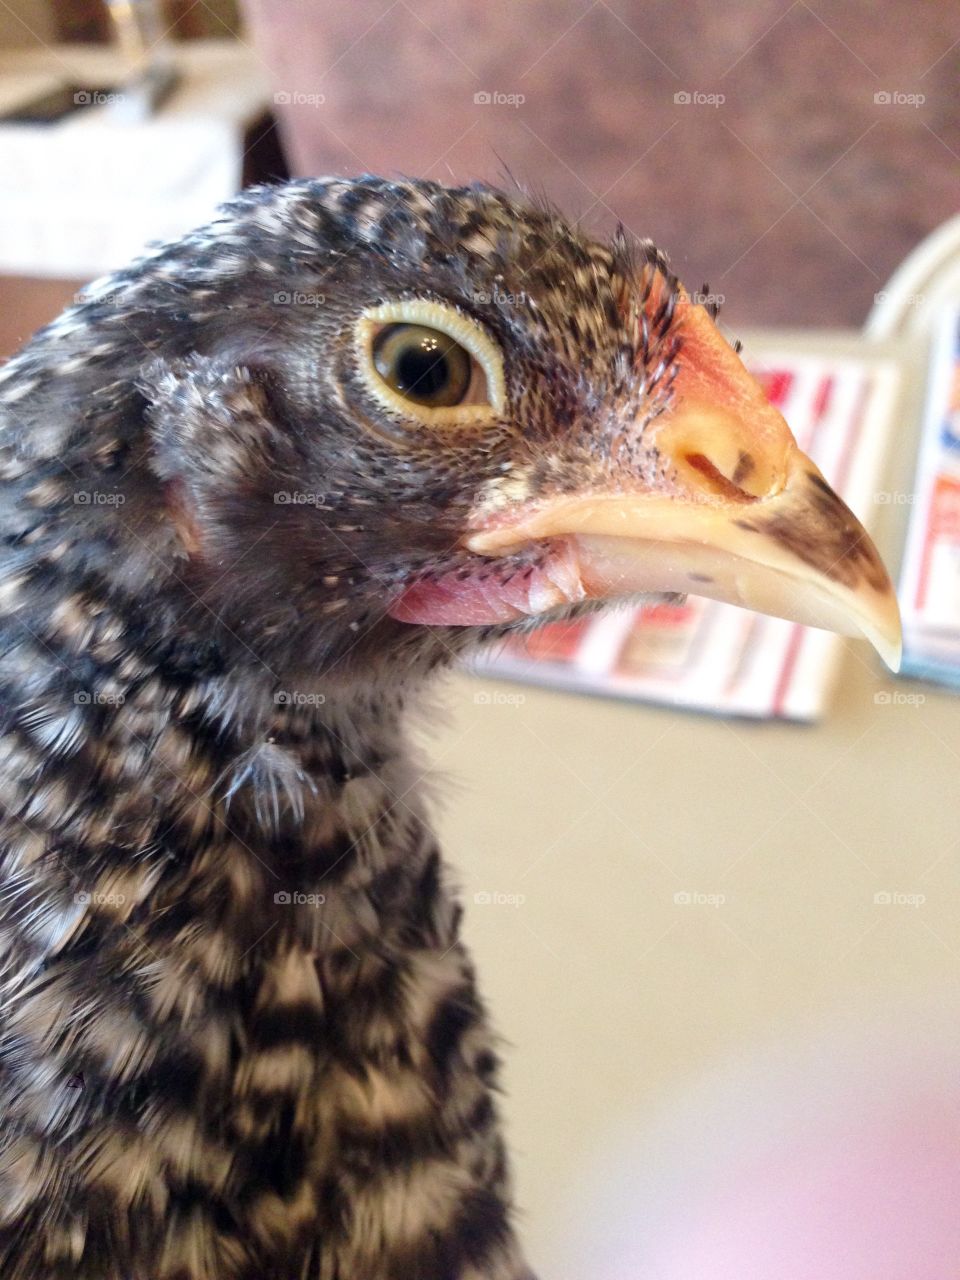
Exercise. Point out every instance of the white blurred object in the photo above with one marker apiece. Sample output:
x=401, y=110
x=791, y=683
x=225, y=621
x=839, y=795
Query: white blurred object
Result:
x=921, y=305
x=139, y=29
x=925, y=283
x=85, y=195
x=142, y=40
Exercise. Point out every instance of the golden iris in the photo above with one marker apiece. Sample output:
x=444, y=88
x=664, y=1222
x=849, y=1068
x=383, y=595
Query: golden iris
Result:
x=422, y=364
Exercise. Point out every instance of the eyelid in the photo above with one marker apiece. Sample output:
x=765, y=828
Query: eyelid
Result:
x=458, y=326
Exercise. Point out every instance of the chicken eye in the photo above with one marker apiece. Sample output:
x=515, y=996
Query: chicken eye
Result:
x=428, y=364
x=423, y=365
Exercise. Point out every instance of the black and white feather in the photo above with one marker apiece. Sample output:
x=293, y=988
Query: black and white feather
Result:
x=239, y=1037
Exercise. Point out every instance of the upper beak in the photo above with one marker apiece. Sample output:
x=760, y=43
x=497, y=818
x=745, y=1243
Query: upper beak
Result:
x=741, y=514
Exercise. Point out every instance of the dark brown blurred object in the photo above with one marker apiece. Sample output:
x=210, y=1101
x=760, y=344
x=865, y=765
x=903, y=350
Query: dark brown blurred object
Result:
x=264, y=159
x=795, y=197
x=211, y=18
x=81, y=21
x=87, y=21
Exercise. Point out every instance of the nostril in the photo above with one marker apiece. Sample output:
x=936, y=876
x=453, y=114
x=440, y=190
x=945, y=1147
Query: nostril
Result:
x=724, y=486
x=745, y=467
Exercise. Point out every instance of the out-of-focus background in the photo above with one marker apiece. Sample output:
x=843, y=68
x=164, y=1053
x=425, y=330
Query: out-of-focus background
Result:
x=723, y=950
x=750, y=139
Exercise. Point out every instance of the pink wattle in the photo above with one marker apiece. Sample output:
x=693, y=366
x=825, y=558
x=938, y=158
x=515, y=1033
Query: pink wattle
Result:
x=482, y=598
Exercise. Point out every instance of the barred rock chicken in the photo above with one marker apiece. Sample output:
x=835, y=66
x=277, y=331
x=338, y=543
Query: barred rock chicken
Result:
x=256, y=488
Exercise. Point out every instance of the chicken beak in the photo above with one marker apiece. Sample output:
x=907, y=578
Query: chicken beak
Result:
x=740, y=514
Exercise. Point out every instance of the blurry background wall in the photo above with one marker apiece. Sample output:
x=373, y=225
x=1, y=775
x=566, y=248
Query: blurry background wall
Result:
x=788, y=154
x=24, y=23
x=794, y=197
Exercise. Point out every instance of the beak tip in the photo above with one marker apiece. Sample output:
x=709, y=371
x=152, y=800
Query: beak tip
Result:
x=892, y=654
x=885, y=633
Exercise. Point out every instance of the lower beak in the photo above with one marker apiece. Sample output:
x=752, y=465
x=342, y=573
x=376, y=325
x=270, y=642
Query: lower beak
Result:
x=746, y=518
x=800, y=554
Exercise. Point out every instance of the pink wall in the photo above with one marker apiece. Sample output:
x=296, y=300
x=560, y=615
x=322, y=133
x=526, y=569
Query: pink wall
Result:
x=795, y=198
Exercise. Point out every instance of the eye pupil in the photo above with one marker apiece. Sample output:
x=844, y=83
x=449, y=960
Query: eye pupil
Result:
x=424, y=365
x=422, y=371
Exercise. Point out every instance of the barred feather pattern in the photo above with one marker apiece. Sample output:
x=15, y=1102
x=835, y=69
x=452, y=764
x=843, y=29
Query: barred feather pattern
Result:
x=239, y=1036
